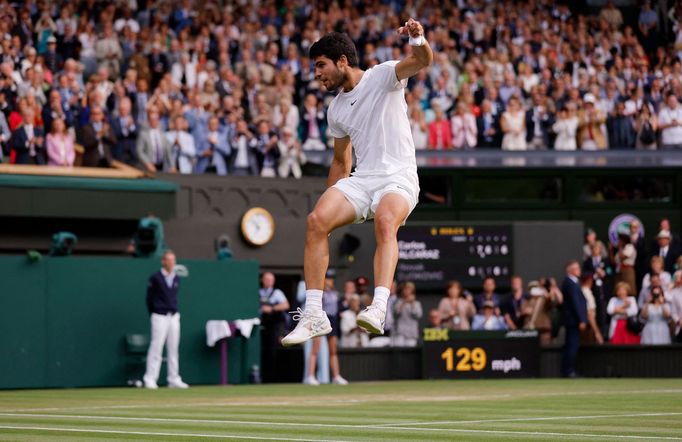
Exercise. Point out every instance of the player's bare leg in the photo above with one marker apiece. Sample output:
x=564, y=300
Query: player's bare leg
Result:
x=331, y=211
x=390, y=214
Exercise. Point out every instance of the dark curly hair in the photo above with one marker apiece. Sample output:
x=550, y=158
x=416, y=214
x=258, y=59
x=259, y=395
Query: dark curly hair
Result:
x=333, y=46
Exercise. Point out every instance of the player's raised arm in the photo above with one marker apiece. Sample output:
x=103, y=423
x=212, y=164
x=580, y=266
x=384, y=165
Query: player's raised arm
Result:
x=342, y=160
x=421, y=56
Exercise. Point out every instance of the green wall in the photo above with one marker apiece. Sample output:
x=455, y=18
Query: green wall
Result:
x=63, y=320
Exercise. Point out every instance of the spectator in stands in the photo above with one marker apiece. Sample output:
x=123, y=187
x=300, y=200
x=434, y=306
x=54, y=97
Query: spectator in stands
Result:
x=670, y=123
x=574, y=315
x=456, y=310
x=513, y=124
x=407, y=312
x=162, y=304
x=153, y=148
x=183, y=149
x=646, y=125
x=245, y=147
x=487, y=319
x=273, y=307
x=266, y=143
x=592, y=333
x=536, y=310
x=464, y=130
x=488, y=127
x=291, y=155
x=27, y=140
x=590, y=134
x=420, y=130
x=665, y=250
x=348, y=290
x=539, y=121
x=213, y=149
x=488, y=294
x=676, y=304
x=664, y=224
x=60, y=145
x=98, y=140
x=657, y=270
x=330, y=305
x=612, y=15
x=434, y=319
x=362, y=287
x=588, y=245
x=621, y=128
x=126, y=132
x=352, y=336
x=656, y=313
x=621, y=307
x=5, y=135
x=511, y=309
x=54, y=109
x=313, y=124
x=625, y=257
x=641, y=260
x=440, y=133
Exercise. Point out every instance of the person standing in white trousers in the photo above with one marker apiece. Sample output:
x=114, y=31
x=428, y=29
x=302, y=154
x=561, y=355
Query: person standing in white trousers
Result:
x=162, y=303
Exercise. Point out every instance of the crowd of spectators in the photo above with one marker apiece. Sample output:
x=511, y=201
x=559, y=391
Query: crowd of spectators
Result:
x=194, y=87
x=632, y=294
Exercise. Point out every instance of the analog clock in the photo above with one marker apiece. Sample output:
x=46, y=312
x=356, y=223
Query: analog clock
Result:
x=258, y=226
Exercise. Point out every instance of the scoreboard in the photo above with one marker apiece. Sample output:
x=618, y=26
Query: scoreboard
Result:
x=431, y=255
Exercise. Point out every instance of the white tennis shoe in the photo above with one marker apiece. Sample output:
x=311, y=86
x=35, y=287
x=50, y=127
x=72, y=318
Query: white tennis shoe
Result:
x=310, y=325
x=372, y=319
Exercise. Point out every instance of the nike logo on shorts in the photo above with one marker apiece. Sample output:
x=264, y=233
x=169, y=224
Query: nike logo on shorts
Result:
x=353, y=102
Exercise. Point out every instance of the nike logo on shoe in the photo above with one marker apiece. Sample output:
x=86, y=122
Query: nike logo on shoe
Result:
x=353, y=102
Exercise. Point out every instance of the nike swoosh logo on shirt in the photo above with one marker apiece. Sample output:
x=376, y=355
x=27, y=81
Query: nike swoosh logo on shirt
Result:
x=353, y=102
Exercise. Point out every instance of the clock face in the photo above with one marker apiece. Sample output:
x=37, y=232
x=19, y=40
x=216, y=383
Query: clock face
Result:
x=258, y=226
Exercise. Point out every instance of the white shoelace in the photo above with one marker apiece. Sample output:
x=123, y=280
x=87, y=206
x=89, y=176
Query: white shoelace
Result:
x=313, y=318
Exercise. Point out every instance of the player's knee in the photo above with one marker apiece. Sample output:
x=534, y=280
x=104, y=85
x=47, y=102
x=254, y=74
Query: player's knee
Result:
x=315, y=223
x=385, y=227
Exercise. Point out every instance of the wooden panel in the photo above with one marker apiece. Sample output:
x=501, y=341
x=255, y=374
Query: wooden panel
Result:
x=120, y=171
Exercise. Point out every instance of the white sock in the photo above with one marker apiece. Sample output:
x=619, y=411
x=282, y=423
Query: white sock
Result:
x=381, y=295
x=313, y=300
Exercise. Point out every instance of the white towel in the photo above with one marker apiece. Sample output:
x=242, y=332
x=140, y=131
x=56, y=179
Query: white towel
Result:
x=215, y=331
x=245, y=326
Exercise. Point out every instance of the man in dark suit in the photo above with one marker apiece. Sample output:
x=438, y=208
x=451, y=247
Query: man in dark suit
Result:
x=488, y=124
x=98, y=140
x=125, y=130
x=574, y=312
x=666, y=250
x=601, y=270
x=538, y=123
x=28, y=141
x=162, y=304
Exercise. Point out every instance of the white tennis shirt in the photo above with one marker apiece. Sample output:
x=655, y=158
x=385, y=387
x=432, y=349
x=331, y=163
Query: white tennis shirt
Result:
x=374, y=115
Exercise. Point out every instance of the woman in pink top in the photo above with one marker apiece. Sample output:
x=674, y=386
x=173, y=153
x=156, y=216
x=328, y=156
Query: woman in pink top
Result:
x=60, y=151
x=464, y=130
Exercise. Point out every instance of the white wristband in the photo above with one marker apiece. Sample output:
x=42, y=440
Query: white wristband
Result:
x=417, y=41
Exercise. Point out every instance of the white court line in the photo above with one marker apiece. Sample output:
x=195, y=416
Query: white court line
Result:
x=535, y=433
x=350, y=401
x=529, y=419
x=217, y=436
x=348, y=426
x=150, y=433
x=170, y=419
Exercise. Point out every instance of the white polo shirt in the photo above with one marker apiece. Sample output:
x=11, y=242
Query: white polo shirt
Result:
x=374, y=115
x=671, y=135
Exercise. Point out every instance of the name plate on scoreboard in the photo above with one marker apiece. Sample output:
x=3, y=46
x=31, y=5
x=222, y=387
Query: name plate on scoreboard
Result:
x=432, y=255
x=452, y=354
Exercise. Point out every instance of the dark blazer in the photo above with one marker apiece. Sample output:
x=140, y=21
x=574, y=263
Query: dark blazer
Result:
x=490, y=141
x=162, y=299
x=92, y=157
x=574, y=308
x=546, y=123
x=19, y=143
x=126, y=142
x=671, y=258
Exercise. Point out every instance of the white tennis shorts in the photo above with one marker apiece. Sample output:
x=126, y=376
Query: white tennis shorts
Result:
x=365, y=192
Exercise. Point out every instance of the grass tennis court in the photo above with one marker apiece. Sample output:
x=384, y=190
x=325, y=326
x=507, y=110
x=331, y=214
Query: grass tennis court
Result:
x=537, y=409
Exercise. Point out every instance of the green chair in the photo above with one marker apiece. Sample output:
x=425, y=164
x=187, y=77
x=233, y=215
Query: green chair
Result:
x=136, y=346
